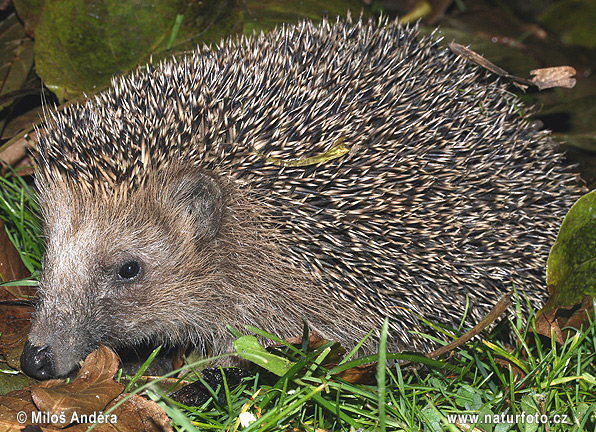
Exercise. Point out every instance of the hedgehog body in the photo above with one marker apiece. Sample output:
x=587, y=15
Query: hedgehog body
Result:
x=167, y=217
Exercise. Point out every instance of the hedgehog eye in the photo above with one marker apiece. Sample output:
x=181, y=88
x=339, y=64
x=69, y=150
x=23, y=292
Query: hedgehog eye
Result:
x=129, y=270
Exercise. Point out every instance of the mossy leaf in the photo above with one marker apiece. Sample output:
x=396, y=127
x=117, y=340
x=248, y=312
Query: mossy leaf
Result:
x=80, y=45
x=571, y=266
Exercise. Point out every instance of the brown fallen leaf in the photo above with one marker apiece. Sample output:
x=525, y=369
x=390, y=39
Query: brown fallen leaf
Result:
x=517, y=373
x=14, y=403
x=89, y=392
x=477, y=59
x=15, y=309
x=560, y=76
x=134, y=414
x=11, y=266
x=16, y=154
x=498, y=310
x=364, y=374
x=164, y=385
x=565, y=319
x=554, y=77
x=10, y=427
x=12, y=343
x=138, y=413
x=90, y=398
x=196, y=393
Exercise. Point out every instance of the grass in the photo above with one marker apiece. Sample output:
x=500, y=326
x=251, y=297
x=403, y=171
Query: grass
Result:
x=483, y=386
x=537, y=386
x=20, y=213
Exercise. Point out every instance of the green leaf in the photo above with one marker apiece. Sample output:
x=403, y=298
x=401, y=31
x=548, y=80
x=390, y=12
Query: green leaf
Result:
x=469, y=398
x=486, y=414
x=583, y=413
x=531, y=415
x=432, y=418
x=571, y=265
x=80, y=44
x=502, y=427
x=249, y=348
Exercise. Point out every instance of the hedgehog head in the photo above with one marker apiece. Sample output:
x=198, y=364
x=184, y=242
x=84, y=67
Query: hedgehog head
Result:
x=112, y=256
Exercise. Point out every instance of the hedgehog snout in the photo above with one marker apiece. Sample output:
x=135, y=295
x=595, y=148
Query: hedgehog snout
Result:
x=38, y=362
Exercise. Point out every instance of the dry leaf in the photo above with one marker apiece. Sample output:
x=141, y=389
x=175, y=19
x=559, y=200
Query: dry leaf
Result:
x=88, y=393
x=517, y=373
x=196, y=393
x=138, y=414
x=17, y=154
x=135, y=414
x=364, y=374
x=498, y=310
x=11, y=344
x=14, y=325
x=11, y=427
x=314, y=342
x=53, y=405
x=564, y=319
x=14, y=403
x=358, y=374
x=560, y=76
x=11, y=266
x=477, y=59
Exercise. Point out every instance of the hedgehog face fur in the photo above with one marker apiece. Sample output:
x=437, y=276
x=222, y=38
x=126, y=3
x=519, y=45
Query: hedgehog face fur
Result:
x=164, y=222
x=164, y=263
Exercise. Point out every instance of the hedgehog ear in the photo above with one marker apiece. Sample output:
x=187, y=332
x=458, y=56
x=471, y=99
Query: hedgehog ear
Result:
x=200, y=195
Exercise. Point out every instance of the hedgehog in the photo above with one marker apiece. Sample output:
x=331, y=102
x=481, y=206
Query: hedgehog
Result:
x=339, y=173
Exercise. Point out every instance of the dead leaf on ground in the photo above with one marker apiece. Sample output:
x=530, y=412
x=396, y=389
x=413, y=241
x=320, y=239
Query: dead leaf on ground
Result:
x=11, y=345
x=89, y=392
x=138, y=413
x=364, y=374
x=88, y=396
x=165, y=385
x=196, y=393
x=355, y=375
x=15, y=402
x=565, y=319
x=15, y=313
x=135, y=414
x=11, y=266
x=17, y=151
x=516, y=371
x=10, y=427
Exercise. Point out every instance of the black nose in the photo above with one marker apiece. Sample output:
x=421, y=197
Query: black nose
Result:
x=38, y=362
